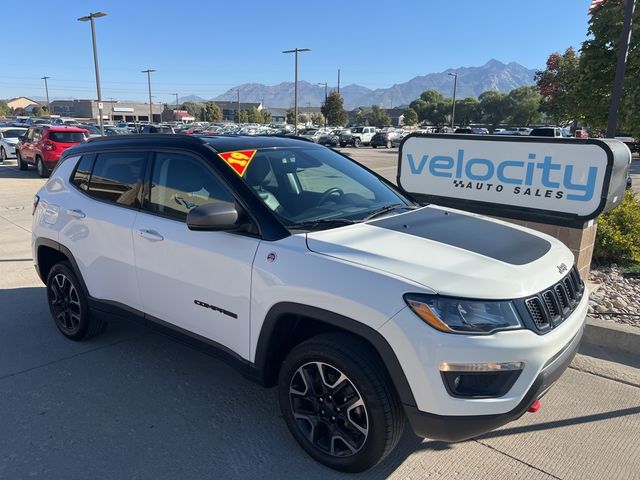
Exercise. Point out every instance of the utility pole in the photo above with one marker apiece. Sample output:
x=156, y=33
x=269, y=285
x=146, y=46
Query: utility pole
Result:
x=455, y=84
x=325, y=102
x=89, y=18
x=46, y=89
x=238, y=107
x=149, y=71
x=295, y=86
x=623, y=51
x=338, y=81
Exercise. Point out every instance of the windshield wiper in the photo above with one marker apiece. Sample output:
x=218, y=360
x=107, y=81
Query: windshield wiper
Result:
x=386, y=209
x=324, y=222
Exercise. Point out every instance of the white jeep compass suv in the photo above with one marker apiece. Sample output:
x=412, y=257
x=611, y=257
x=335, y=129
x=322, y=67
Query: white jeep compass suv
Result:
x=310, y=272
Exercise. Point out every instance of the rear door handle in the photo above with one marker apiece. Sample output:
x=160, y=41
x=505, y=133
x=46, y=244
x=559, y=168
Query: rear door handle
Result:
x=75, y=213
x=150, y=235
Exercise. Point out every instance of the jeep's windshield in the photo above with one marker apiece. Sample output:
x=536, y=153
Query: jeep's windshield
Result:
x=314, y=187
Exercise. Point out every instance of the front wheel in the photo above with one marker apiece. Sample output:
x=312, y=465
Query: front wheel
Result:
x=68, y=304
x=22, y=165
x=356, y=142
x=3, y=155
x=339, y=403
x=40, y=167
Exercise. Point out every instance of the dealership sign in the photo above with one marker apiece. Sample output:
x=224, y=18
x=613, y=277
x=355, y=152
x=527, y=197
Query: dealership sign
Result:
x=559, y=181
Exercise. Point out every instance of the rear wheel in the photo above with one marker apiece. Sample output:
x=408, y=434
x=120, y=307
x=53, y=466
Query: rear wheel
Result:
x=68, y=304
x=388, y=143
x=22, y=165
x=338, y=402
x=374, y=146
x=356, y=142
x=43, y=171
x=3, y=155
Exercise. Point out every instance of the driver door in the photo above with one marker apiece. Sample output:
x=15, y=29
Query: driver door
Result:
x=197, y=281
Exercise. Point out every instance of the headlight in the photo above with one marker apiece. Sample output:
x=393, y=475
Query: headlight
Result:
x=458, y=315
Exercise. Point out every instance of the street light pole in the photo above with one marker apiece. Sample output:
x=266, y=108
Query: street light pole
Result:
x=325, y=102
x=149, y=71
x=176, y=100
x=46, y=89
x=453, y=110
x=623, y=51
x=238, y=107
x=295, y=86
x=89, y=18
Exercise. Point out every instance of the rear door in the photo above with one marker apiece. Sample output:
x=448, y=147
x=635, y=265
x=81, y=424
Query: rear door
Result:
x=97, y=218
x=195, y=280
x=26, y=150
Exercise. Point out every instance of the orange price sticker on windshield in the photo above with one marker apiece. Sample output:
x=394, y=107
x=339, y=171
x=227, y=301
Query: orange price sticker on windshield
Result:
x=238, y=160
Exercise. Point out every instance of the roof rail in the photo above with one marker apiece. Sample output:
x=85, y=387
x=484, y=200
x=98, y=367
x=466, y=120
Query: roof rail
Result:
x=147, y=136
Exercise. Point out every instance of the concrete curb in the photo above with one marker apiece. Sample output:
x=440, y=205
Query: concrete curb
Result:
x=613, y=336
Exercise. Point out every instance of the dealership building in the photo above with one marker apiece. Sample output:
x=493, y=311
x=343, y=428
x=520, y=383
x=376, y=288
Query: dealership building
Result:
x=111, y=110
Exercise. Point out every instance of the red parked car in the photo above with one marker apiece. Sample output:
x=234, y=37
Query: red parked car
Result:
x=42, y=146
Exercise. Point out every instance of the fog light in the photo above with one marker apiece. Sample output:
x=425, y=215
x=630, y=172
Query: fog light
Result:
x=479, y=380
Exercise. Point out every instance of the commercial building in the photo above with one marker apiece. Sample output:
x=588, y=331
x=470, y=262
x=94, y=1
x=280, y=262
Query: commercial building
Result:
x=111, y=110
x=22, y=104
x=182, y=116
x=229, y=108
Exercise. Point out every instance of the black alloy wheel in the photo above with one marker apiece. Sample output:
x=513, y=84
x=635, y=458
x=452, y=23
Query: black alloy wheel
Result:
x=328, y=409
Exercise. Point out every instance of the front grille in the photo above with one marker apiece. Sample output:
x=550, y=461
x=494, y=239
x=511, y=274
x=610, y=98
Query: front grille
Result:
x=552, y=306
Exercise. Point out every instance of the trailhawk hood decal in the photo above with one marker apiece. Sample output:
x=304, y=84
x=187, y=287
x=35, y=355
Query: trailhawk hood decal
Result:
x=450, y=252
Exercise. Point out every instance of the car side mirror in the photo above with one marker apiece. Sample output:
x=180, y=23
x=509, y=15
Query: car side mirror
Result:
x=218, y=216
x=22, y=138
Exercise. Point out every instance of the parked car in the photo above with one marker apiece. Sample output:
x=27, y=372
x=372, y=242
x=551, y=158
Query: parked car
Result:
x=331, y=138
x=555, y=132
x=387, y=138
x=312, y=134
x=357, y=136
x=42, y=146
x=467, y=130
x=629, y=141
x=9, y=137
x=389, y=328
x=149, y=128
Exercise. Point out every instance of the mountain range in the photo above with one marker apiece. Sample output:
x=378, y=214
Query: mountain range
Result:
x=472, y=81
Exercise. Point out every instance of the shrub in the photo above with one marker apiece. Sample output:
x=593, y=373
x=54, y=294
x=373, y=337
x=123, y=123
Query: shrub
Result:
x=618, y=237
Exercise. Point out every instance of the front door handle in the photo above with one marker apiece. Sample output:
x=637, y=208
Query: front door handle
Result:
x=72, y=212
x=150, y=235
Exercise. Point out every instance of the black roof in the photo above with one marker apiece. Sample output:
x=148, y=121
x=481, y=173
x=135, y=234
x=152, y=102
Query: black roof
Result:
x=220, y=143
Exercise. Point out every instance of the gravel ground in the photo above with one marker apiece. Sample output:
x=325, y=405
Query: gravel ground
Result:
x=617, y=298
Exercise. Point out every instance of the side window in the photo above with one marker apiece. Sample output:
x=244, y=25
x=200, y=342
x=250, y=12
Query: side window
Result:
x=83, y=172
x=37, y=135
x=180, y=182
x=29, y=135
x=117, y=177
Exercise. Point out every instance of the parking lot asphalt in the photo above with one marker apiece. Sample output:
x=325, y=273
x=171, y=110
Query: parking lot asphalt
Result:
x=134, y=404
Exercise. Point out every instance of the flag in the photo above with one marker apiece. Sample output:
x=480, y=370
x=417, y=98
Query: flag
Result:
x=594, y=4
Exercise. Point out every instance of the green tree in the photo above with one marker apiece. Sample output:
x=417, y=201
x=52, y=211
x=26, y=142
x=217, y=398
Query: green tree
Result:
x=255, y=116
x=334, y=110
x=242, y=116
x=467, y=111
x=266, y=117
x=494, y=107
x=598, y=58
x=362, y=117
x=302, y=118
x=194, y=109
x=4, y=109
x=410, y=117
x=38, y=112
x=523, y=105
x=212, y=112
x=378, y=117
x=291, y=116
x=432, y=107
x=558, y=87
x=317, y=118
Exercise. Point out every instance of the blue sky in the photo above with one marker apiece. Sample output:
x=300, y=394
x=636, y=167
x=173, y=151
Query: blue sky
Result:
x=206, y=47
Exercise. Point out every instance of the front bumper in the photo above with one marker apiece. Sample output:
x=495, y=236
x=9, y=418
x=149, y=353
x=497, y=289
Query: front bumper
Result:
x=454, y=428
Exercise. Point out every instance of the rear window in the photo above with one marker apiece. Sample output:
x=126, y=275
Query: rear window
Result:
x=542, y=132
x=13, y=133
x=67, y=137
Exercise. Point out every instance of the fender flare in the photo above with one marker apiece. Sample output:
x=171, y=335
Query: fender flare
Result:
x=47, y=242
x=264, y=354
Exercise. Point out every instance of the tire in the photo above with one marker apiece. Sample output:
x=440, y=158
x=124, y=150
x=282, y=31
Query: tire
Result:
x=374, y=146
x=22, y=165
x=3, y=155
x=321, y=425
x=356, y=142
x=389, y=144
x=343, y=145
x=43, y=171
x=68, y=304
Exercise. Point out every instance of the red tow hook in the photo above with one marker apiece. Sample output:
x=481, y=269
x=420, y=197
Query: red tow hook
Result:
x=534, y=407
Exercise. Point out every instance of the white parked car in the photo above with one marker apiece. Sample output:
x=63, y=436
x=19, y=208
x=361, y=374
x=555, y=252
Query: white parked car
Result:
x=9, y=137
x=310, y=272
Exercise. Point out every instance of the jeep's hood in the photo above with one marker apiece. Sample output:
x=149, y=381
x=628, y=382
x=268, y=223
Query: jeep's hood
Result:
x=451, y=253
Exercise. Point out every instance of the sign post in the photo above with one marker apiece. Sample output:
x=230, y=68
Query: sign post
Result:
x=556, y=186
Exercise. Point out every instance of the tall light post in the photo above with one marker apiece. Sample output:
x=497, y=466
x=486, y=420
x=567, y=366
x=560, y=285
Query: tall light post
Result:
x=89, y=18
x=176, y=100
x=149, y=71
x=325, y=102
x=46, y=89
x=238, y=106
x=295, y=86
x=455, y=85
